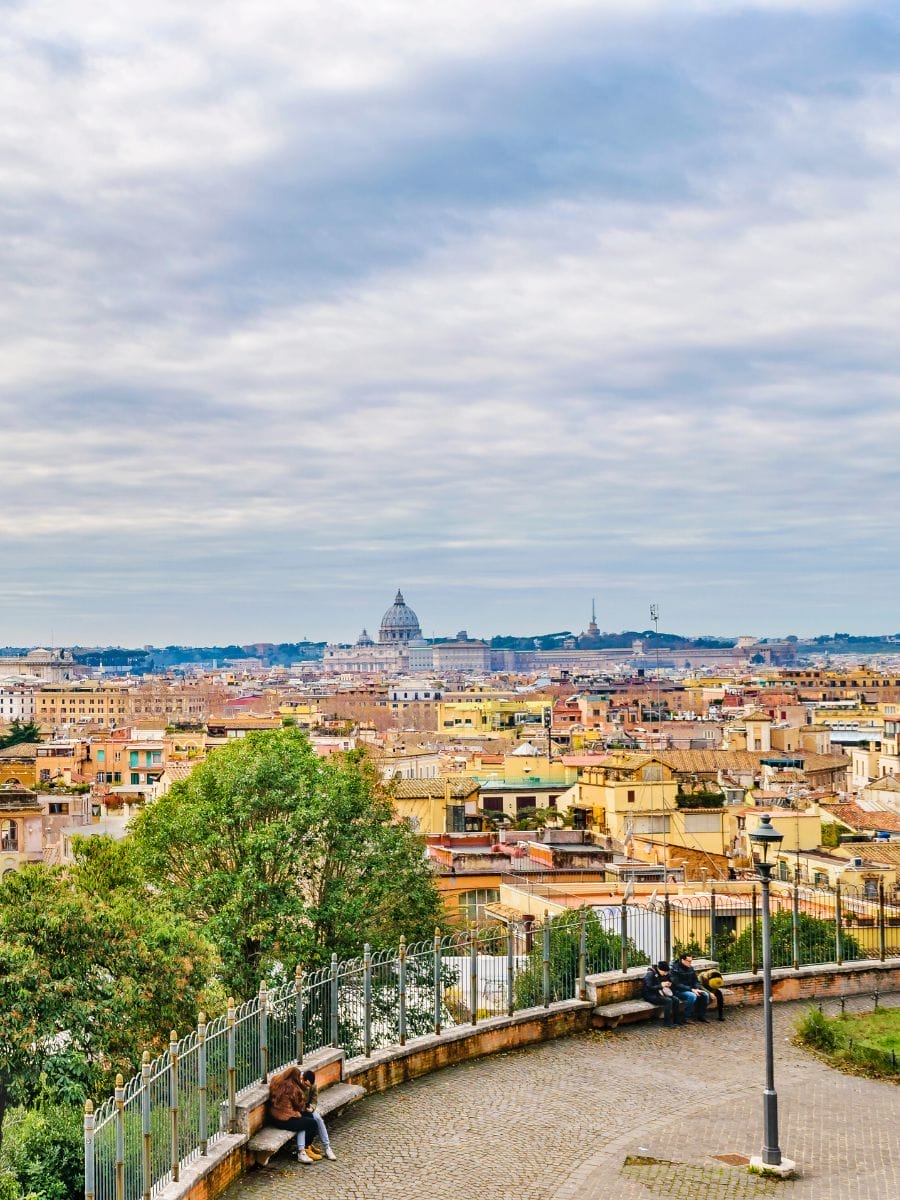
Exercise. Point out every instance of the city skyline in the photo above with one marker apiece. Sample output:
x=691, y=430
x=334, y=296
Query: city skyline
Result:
x=510, y=308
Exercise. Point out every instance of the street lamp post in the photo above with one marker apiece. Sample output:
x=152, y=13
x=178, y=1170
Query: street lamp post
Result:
x=767, y=838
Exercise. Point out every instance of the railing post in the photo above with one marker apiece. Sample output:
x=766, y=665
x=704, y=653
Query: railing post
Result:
x=173, y=1100
x=264, y=1031
x=667, y=928
x=120, y=1137
x=510, y=971
x=334, y=999
x=582, y=956
x=838, y=926
x=712, y=921
x=88, y=1150
x=438, y=988
x=401, y=968
x=201, y=1081
x=232, y=1069
x=146, y=1161
x=882, y=933
x=795, y=925
x=623, y=937
x=754, y=948
x=473, y=976
x=367, y=1000
x=298, y=1011
x=546, y=960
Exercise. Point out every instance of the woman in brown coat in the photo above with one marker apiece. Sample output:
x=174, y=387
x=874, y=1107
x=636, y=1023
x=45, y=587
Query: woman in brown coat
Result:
x=287, y=1109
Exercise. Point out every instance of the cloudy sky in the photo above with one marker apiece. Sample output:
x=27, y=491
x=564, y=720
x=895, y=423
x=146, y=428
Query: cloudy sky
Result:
x=510, y=304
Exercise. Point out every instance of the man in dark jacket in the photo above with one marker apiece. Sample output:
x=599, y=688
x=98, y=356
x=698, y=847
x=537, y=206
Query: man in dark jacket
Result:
x=656, y=988
x=686, y=987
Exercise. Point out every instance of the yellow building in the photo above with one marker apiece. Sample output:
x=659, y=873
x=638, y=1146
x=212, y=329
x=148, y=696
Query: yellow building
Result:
x=628, y=794
x=17, y=765
x=21, y=829
x=86, y=703
x=436, y=806
x=304, y=713
x=480, y=714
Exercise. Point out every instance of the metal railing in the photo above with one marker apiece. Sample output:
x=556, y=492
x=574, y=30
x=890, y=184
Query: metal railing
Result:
x=185, y=1100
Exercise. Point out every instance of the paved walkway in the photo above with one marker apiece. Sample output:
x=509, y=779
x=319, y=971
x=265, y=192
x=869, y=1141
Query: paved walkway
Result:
x=558, y=1122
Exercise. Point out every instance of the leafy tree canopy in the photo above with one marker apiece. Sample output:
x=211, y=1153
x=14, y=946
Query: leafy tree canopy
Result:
x=20, y=732
x=283, y=857
x=817, y=943
x=88, y=979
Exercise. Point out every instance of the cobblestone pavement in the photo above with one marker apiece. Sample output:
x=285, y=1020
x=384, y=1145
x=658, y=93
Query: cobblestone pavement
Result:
x=641, y=1113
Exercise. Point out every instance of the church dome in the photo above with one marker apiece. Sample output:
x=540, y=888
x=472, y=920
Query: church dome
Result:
x=399, y=623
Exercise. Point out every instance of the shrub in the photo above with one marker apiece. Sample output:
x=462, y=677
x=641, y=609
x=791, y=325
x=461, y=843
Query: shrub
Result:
x=43, y=1154
x=816, y=1030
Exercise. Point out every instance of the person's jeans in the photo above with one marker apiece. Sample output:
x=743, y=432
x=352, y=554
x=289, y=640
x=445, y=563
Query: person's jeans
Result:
x=671, y=1009
x=320, y=1126
x=694, y=1005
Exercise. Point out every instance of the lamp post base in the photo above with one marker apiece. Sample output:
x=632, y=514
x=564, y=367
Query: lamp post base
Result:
x=786, y=1169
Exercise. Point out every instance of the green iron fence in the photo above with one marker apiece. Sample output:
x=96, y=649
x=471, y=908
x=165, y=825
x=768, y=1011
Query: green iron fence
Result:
x=184, y=1101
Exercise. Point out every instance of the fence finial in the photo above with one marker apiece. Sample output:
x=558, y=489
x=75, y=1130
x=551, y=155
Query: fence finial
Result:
x=88, y=1107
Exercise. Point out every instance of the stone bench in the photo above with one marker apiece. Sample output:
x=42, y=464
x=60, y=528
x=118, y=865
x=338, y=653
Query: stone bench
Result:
x=269, y=1140
x=609, y=1016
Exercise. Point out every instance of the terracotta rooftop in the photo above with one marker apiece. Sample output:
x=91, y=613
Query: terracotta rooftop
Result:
x=461, y=788
x=859, y=818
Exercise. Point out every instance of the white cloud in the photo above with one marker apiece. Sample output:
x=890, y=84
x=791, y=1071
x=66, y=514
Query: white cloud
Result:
x=306, y=289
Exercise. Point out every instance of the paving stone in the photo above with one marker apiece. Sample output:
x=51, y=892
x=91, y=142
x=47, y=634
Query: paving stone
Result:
x=559, y=1120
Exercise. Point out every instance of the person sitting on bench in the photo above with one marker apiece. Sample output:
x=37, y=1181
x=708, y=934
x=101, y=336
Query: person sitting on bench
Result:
x=686, y=987
x=656, y=988
x=287, y=1110
x=312, y=1110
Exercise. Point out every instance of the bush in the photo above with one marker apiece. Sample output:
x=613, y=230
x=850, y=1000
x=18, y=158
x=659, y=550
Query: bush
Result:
x=814, y=1029
x=43, y=1154
x=604, y=953
x=817, y=943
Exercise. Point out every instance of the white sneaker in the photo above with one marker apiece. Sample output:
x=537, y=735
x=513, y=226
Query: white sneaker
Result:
x=329, y=1153
x=303, y=1157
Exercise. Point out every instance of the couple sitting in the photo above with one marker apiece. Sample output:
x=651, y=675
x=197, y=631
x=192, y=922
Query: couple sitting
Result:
x=680, y=992
x=293, y=1104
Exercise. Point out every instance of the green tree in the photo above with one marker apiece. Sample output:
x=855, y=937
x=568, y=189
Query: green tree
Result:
x=603, y=953
x=19, y=733
x=43, y=1151
x=283, y=857
x=817, y=943
x=87, y=981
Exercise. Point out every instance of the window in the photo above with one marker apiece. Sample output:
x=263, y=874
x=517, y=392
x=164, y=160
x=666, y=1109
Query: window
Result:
x=9, y=835
x=116, y=777
x=652, y=773
x=471, y=903
x=456, y=818
x=651, y=824
x=101, y=756
x=135, y=777
x=702, y=822
x=101, y=777
x=57, y=808
x=631, y=794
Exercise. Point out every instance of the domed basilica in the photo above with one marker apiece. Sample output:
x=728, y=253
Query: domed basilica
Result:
x=399, y=637
x=399, y=623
